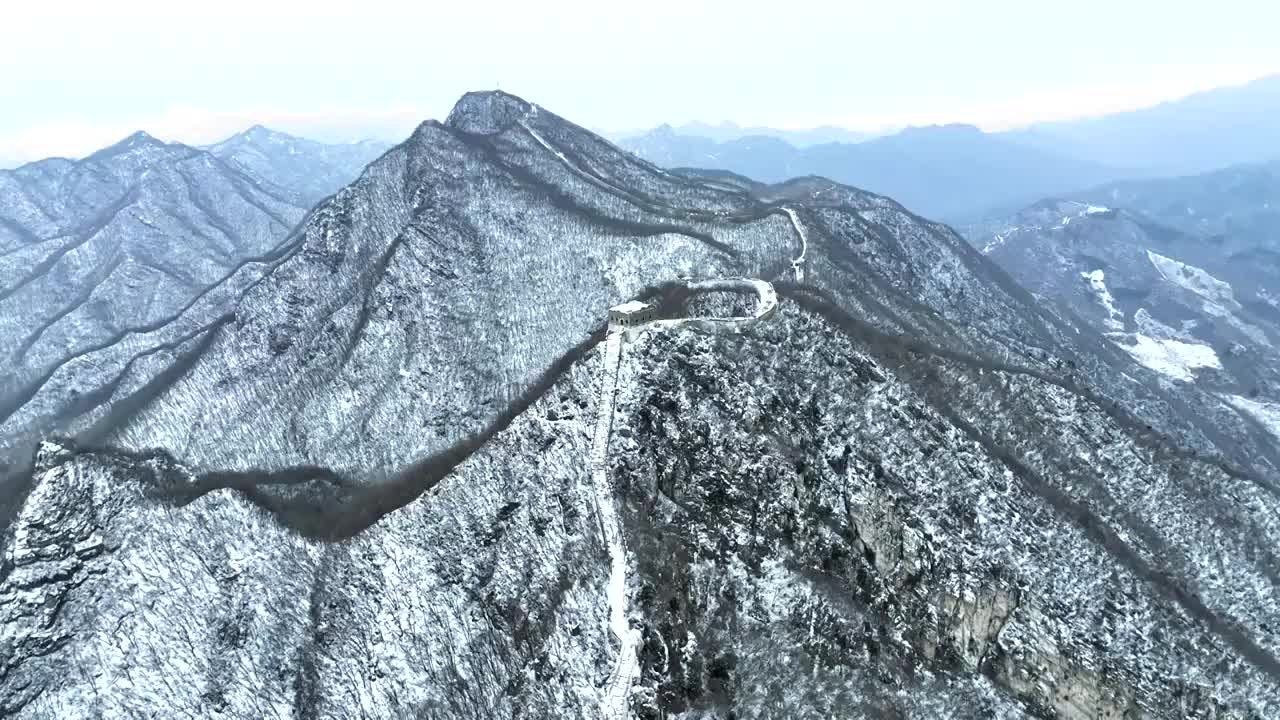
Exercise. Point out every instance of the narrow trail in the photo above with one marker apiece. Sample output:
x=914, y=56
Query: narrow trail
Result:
x=797, y=265
x=615, y=701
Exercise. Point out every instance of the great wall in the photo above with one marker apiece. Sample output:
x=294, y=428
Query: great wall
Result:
x=624, y=320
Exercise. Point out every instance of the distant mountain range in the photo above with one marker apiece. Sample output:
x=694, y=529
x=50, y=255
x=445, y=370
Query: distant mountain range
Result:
x=728, y=131
x=1239, y=205
x=1202, y=132
x=944, y=172
x=959, y=173
x=96, y=254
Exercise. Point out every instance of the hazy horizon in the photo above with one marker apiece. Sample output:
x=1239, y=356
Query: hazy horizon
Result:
x=80, y=76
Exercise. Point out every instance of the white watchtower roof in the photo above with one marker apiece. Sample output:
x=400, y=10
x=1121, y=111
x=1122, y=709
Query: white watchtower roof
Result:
x=629, y=307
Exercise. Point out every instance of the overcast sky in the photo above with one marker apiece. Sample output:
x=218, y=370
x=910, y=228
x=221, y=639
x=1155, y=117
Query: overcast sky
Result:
x=78, y=75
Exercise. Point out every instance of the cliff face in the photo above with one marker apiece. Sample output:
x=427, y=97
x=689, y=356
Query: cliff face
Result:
x=366, y=489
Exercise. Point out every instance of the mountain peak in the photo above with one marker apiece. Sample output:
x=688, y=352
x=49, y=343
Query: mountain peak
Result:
x=256, y=136
x=948, y=130
x=487, y=112
x=138, y=141
x=261, y=134
x=141, y=137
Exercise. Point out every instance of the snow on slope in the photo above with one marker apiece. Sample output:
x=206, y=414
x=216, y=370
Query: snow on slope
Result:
x=1213, y=290
x=1097, y=283
x=1268, y=298
x=997, y=240
x=1055, y=216
x=1088, y=210
x=1219, y=297
x=1174, y=358
x=1266, y=413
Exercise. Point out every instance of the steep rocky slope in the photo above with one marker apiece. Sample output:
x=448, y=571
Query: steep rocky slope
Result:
x=912, y=491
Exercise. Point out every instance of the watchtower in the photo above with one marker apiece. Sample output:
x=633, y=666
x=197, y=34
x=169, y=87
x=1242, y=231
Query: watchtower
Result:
x=632, y=313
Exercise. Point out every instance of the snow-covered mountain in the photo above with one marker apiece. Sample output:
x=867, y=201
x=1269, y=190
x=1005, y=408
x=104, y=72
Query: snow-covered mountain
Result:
x=1236, y=208
x=1201, y=308
x=411, y=472
x=97, y=253
x=308, y=170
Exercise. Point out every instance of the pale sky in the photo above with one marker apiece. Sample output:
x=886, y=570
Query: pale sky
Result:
x=79, y=75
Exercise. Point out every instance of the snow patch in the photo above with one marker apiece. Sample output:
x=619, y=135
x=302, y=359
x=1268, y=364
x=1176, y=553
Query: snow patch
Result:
x=629, y=306
x=1173, y=358
x=998, y=239
x=1148, y=325
x=1268, y=298
x=1196, y=280
x=1084, y=211
x=1267, y=414
x=1115, y=318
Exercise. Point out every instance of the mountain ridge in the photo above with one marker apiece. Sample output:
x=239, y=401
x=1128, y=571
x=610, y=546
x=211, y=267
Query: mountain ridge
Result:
x=939, y=493
x=1179, y=302
x=108, y=248
x=309, y=169
x=1201, y=132
x=942, y=171
x=728, y=131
